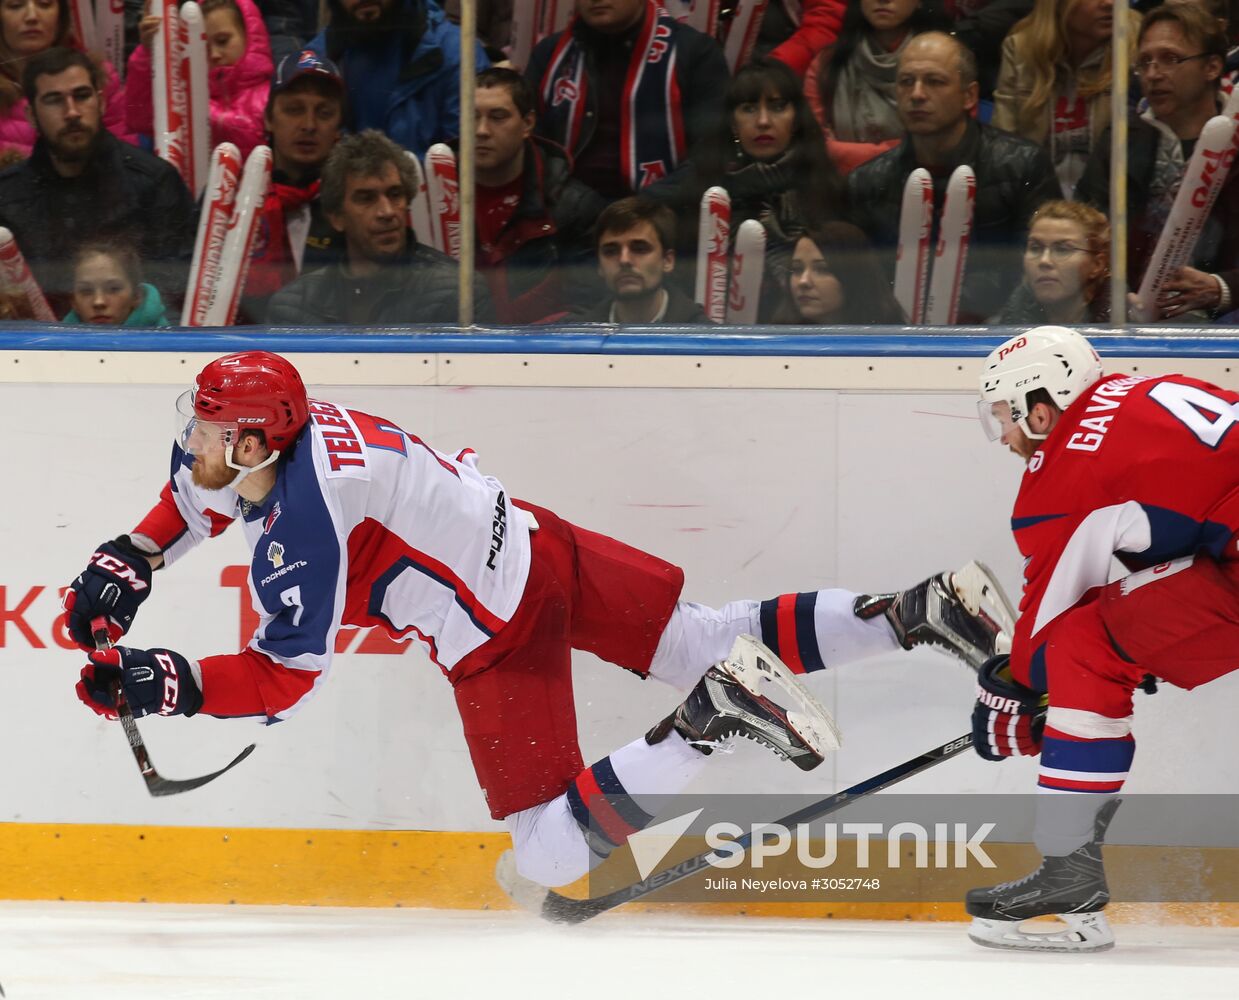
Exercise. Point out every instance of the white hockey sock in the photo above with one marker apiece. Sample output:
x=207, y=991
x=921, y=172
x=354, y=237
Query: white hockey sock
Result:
x=605, y=799
x=809, y=631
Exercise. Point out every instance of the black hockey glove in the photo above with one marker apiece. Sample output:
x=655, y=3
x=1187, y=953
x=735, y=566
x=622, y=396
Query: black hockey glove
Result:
x=155, y=681
x=114, y=584
x=1008, y=718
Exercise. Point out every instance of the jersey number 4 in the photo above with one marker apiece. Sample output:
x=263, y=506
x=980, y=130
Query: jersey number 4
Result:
x=1203, y=413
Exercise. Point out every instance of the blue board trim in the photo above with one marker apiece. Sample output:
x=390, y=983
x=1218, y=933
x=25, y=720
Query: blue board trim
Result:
x=735, y=341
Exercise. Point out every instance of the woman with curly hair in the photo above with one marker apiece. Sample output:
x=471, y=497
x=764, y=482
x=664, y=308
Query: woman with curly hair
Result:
x=28, y=27
x=1066, y=268
x=1054, y=83
x=770, y=156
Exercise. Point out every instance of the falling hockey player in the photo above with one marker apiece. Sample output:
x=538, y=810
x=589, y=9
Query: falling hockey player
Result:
x=355, y=523
x=1140, y=468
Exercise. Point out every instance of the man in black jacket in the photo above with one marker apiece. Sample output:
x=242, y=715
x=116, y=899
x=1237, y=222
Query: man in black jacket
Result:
x=82, y=183
x=936, y=91
x=628, y=91
x=386, y=276
x=534, y=221
x=636, y=253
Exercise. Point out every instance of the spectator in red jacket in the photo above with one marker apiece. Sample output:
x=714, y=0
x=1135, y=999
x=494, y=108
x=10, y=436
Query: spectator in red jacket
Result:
x=239, y=77
x=794, y=31
x=28, y=27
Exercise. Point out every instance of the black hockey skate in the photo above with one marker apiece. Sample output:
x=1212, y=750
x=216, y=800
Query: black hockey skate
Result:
x=966, y=614
x=1072, y=888
x=728, y=702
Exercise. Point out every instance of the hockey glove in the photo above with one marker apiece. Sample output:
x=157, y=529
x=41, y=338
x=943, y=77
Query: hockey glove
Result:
x=114, y=584
x=155, y=681
x=1008, y=718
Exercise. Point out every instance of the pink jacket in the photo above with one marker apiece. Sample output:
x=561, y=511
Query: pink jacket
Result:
x=238, y=92
x=16, y=132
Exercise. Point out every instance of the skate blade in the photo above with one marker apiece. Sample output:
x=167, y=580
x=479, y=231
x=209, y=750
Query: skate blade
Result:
x=751, y=662
x=981, y=593
x=1078, y=932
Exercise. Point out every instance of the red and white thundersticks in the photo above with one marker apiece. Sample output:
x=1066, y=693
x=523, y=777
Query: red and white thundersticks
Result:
x=110, y=33
x=713, y=240
x=182, y=132
x=748, y=264
x=443, y=189
x=1206, y=172
x=419, y=207
x=239, y=243
x=916, y=220
x=192, y=64
x=16, y=274
x=942, y=306
x=221, y=195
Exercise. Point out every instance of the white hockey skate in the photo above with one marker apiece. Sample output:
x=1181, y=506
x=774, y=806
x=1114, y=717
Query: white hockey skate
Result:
x=965, y=613
x=733, y=699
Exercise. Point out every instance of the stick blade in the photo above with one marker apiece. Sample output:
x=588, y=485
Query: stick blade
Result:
x=159, y=786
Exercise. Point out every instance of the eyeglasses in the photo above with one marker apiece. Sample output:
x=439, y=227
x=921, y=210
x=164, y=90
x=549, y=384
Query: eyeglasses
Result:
x=1168, y=61
x=1059, y=252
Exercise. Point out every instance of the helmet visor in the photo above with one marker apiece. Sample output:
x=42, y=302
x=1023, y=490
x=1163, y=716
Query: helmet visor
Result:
x=996, y=419
x=196, y=436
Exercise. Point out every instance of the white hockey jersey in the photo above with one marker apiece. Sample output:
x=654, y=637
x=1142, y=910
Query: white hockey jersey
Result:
x=366, y=525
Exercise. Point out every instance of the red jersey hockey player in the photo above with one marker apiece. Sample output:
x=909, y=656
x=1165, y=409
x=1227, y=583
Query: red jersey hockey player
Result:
x=1143, y=469
x=353, y=522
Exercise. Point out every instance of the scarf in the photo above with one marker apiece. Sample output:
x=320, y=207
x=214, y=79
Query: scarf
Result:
x=766, y=192
x=652, y=140
x=272, y=264
x=864, y=104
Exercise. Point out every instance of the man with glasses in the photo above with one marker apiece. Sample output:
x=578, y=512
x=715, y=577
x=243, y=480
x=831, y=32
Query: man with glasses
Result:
x=82, y=183
x=1180, y=59
x=385, y=277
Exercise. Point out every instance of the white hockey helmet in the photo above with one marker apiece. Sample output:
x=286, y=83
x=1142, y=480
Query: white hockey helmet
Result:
x=1053, y=358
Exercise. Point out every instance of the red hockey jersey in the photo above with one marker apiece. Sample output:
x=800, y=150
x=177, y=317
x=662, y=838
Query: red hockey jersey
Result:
x=1145, y=469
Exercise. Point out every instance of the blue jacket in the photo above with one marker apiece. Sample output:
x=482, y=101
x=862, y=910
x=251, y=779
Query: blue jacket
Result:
x=402, y=73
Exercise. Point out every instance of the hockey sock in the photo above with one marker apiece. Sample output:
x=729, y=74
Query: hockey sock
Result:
x=1078, y=776
x=813, y=630
x=606, y=798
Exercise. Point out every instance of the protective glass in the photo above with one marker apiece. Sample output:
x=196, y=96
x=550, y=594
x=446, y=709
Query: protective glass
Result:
x=996, y=418
x=196, y=436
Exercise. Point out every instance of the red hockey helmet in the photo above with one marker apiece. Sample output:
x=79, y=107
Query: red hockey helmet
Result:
x=253, y=390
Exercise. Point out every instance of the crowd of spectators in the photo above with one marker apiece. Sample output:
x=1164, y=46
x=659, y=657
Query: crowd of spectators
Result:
x=591, y=159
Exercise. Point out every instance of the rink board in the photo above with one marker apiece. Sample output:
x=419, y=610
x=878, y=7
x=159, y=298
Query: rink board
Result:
x=814, y=466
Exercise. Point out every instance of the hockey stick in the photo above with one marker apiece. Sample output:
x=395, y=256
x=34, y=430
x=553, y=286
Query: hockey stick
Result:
x=549, y=905
x=156, y=784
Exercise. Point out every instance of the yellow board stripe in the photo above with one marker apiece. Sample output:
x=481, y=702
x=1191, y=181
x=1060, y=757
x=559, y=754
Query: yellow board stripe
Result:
x=446, y=870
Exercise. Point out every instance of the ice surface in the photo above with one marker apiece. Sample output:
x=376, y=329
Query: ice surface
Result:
x=100, y=951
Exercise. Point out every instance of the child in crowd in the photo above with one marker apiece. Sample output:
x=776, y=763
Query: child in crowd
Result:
x=239, y=77
x=108, y=289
